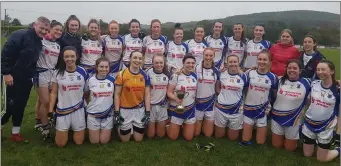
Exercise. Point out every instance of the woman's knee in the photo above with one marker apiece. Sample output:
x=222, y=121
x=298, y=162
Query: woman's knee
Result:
x=104, y=141
x=61, y=143
x=79, y=141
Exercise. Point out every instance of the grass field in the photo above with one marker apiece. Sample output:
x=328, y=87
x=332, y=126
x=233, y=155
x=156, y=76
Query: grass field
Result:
x=149, y=152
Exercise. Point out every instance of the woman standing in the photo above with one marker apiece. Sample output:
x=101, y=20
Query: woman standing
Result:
x=153, y=44
x=197, y=45
x=132, y=42
x=184, y=82
x=113, y=47
x=321, y=118
x=282, y=52
x=219, y=42
x=229, y=105
x=291, y=96
x=70, y=37
x=253, y=47
x=261, y=84
x=91, y=47
x=208, y=76
x=310, y=57
x=132, y=99
x=176, y=50
x=99, y=94
x=68, y=85
x=45, y=69
x=159, y=77
x=236, y=45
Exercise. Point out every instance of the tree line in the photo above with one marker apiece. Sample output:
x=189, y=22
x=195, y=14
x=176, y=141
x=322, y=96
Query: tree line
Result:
x=327, y=36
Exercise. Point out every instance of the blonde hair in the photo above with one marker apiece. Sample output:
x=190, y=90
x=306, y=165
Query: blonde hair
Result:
x=287, y=31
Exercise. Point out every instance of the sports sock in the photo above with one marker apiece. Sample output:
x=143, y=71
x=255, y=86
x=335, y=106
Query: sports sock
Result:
x=15, y=130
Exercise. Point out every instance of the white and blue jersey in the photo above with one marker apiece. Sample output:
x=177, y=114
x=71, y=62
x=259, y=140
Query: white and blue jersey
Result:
x=101, y=96
x=113, y=48
x=71, y=87
x=230, y=97
x=206, y=94
x=236, y=47
x=153, y=47
x=175, y=54
x=252, y=50
x=324, y=106
x=158, y=87
x=47, y=61
x=220, y=47
x=258, y=95
x=131, y=44
x=91, y=51
x=49, y=55
x=187, y=83
x=290, y=101
x=196, y=49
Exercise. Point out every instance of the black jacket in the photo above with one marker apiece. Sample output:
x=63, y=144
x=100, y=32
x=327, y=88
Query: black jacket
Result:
x=309, y=70
x=68, y=39
x=20, y=54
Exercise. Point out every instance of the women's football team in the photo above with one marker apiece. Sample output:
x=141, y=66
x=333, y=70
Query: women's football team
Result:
x=133, y=82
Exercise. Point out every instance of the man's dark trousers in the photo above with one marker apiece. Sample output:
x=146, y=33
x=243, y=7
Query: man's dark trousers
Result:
x=16, y=100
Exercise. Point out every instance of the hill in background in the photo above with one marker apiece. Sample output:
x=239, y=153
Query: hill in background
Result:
x=305, y=18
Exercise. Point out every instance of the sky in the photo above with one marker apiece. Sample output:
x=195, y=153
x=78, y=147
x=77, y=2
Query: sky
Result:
x=123, y=12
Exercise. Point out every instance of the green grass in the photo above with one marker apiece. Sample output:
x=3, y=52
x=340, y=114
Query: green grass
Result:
x=149, y=152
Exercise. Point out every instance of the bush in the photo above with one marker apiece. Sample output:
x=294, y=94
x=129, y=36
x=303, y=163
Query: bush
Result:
x=6, y=30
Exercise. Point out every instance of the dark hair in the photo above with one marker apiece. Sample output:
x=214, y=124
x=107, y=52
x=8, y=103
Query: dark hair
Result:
x=132, y=21
x=188, y=56
x=177, y=26
x=259, y=25
x=242, y=38
x=72, y=17
x=199, y=26
x=101, y=59
x=165, y=67
x=286, y=76
x=314, y=41
x=55, y=23
x=222, y=31
x=331, y=67
x=131, y=54
x=61, y=67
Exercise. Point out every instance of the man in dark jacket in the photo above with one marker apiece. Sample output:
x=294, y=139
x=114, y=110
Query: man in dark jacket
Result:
x=19, y=58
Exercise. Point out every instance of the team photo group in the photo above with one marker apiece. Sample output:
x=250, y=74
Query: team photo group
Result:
x=147, y=84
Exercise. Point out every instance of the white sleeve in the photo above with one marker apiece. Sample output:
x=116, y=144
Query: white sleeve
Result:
x=173, y=80
x=54, y=76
